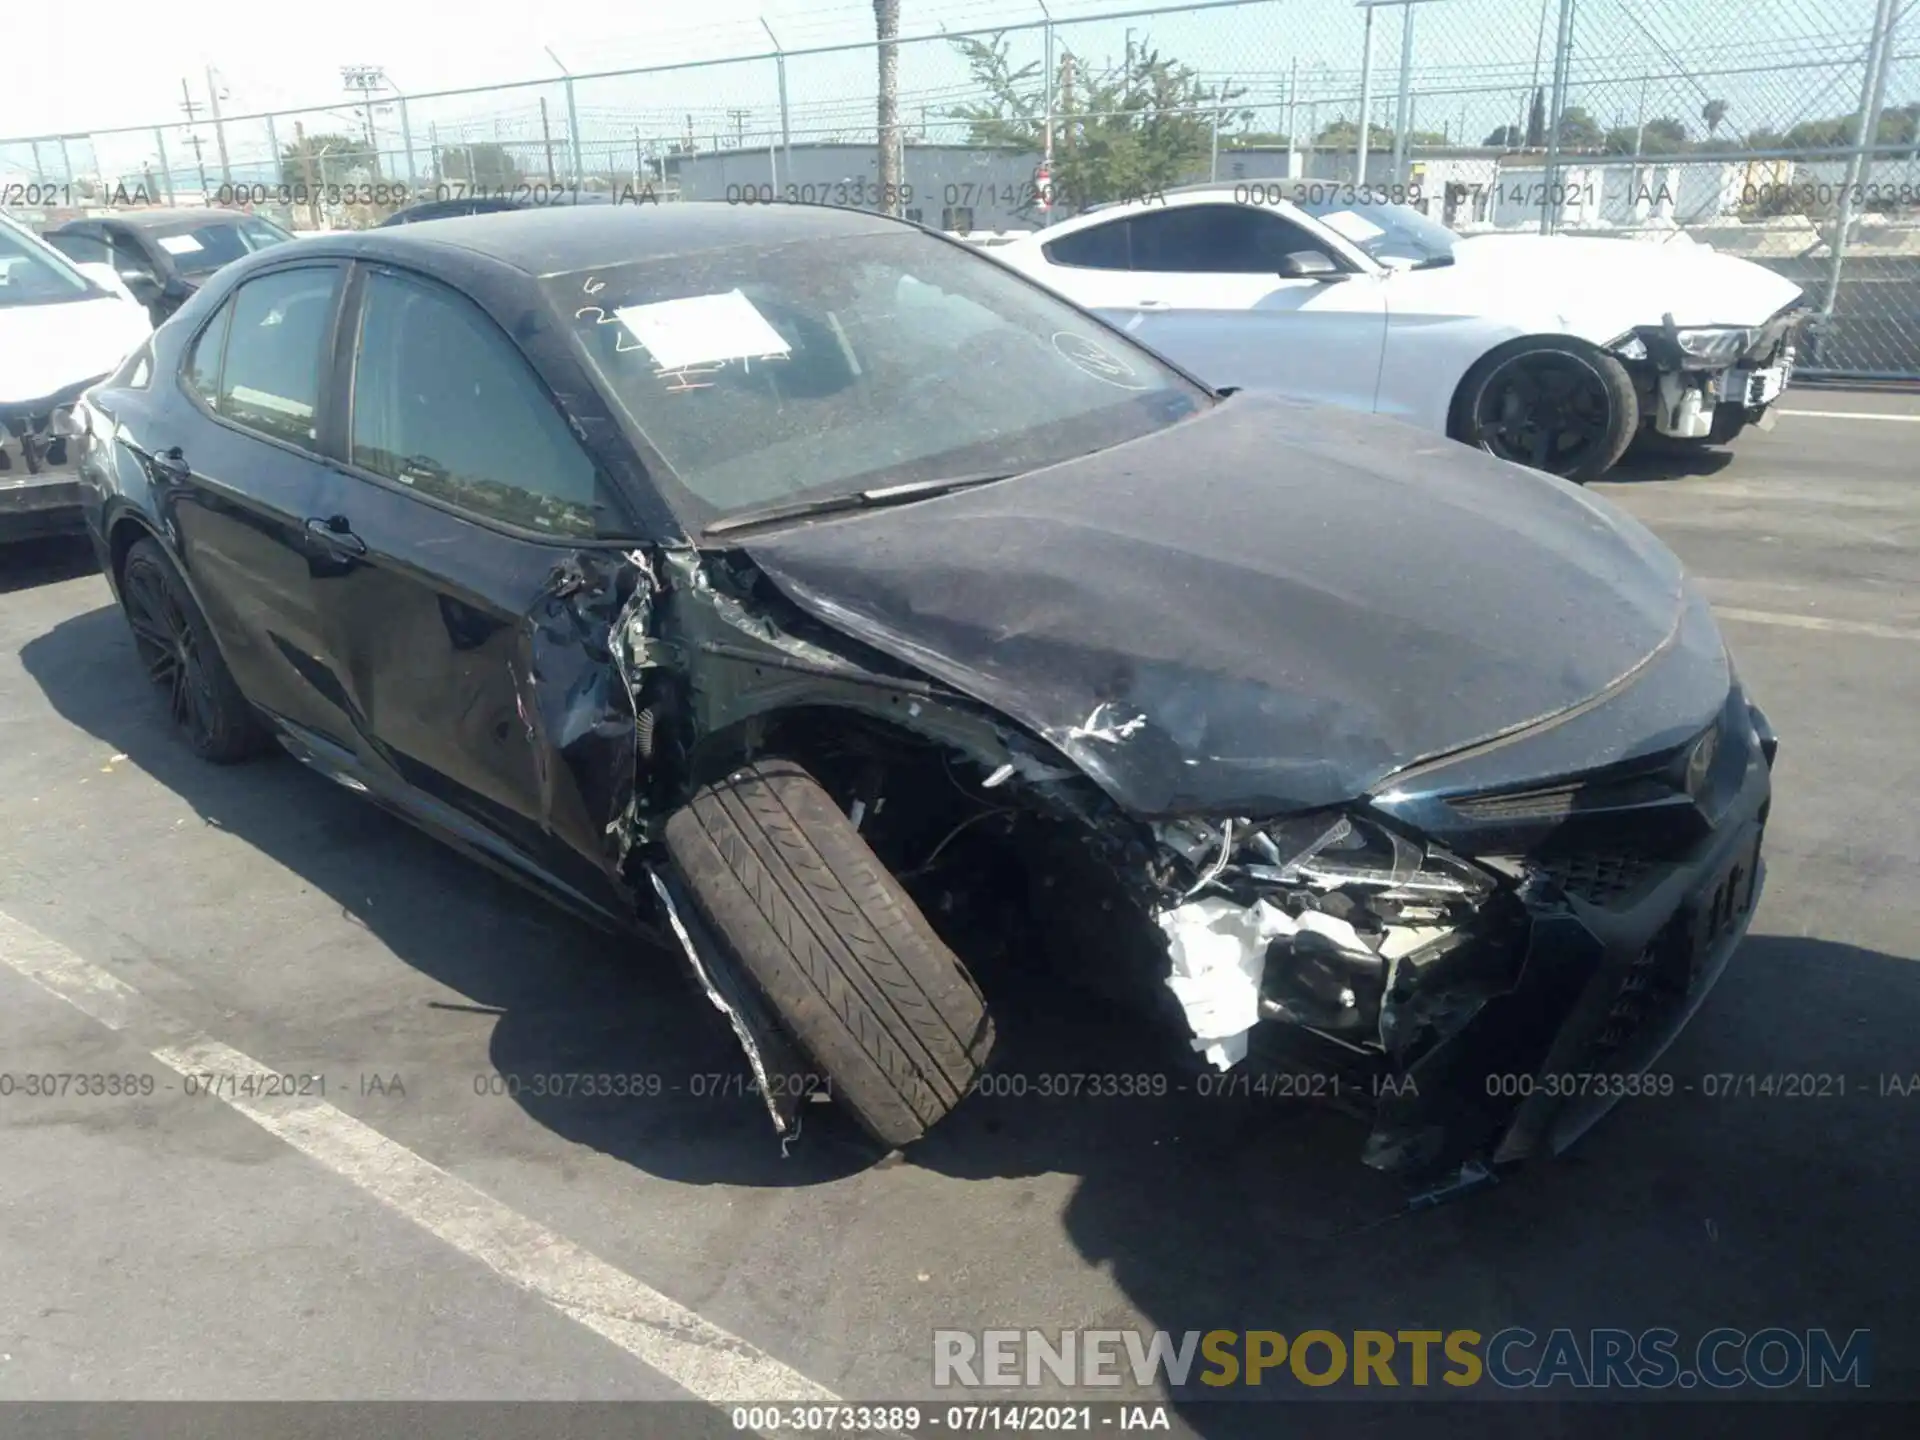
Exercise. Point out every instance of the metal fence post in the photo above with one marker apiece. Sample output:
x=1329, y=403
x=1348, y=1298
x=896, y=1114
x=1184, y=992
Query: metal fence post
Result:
x=1866, y=126
x=166, y=169
x=546, y=134
x=1401, y=114
x=406, y=139
x=1366, y=98
x=573, y=135
x=1562, y=61
x=786, y=129
x=66, y=161
x=273, y=148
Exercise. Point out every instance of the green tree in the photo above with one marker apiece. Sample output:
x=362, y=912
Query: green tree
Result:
x=1537, y=120
x=483, y=165
x=1664, y=136
x=1713, y=112
x=324, y=159
x=1579, y=130
x=1128, y=130
x=1507, y=137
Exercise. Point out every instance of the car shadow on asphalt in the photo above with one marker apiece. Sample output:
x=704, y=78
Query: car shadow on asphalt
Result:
x=1692, y=1210
x=1639, y=467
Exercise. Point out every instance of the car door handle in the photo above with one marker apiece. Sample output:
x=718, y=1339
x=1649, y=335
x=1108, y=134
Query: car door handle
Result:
x=335, y=536
x=1154, y=305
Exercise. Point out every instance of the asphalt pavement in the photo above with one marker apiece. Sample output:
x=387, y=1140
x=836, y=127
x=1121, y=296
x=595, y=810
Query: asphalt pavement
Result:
x=433, y=1227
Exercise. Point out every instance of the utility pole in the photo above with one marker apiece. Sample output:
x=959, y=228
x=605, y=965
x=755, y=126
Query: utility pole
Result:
x=306, y=173
x=546, y=134
x=1402, y=111
x=1293, y=106
x=219, y=130
x=365, y=79
x=739, y=118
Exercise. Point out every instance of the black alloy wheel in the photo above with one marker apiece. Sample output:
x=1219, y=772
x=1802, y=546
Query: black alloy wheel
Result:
x=1559, y=407
x=178, y=653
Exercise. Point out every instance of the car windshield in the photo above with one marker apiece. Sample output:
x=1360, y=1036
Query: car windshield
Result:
x=1385, y=232
x=33, y=274
x=765, y=375
x=201, y=247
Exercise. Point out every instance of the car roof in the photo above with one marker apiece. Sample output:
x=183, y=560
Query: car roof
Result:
x=165, y=217
x=555, y=241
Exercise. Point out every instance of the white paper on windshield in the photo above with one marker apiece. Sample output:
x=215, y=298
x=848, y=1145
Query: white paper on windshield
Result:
x=179, y=244
x=1350, y=226
x=701, y=330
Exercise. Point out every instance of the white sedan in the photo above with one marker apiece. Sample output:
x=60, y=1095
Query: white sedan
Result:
x=1553, y=351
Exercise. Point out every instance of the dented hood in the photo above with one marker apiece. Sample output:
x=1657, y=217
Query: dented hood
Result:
x=1265, y=607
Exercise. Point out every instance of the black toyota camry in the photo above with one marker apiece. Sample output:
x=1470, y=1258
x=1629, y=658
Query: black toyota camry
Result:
x=819, y=596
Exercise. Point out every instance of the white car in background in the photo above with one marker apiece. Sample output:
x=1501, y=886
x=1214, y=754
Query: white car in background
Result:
x=1553, y=351
x=63, y=327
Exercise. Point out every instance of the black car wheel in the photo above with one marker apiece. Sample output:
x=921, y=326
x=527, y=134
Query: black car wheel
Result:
x=840, y=952
x=1554, y=405
x=180, y=656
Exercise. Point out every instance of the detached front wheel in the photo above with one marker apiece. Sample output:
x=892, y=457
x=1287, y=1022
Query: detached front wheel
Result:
x=1561, y=406
x=840, y=952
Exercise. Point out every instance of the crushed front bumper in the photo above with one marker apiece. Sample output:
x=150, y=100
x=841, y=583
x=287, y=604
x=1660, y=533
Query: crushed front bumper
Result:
x=39, y=490
x=1578, y=991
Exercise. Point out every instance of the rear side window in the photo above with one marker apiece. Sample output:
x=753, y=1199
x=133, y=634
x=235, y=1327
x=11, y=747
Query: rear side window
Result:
x=1100, y=247
x=202, y=374
x=276, y=338
x=445, y=405
x=1215, y=240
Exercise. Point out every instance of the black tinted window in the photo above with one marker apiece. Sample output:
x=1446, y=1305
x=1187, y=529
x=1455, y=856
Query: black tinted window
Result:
x=278, y=333
x=203, y=364
x=444, y=404
x=81, y=249
x=1103, y=247
x=1215, y=239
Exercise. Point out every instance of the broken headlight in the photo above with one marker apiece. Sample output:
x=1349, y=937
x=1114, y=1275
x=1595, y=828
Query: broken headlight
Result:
x=1714, y=345
x=1305, y=920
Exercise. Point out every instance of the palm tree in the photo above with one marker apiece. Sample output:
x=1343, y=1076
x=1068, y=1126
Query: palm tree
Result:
x=886, y=25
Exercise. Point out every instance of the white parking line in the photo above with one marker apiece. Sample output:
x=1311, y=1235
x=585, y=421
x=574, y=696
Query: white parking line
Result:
x=1818, y=622
x=700, y=1357
x=1851, y=415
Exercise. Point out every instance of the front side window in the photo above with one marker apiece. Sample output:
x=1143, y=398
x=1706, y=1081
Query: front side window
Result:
x=445, y=405
x=35, y=274
x=774, y=373
x=1386, y=232
x=1215, y=240
x=276, y=342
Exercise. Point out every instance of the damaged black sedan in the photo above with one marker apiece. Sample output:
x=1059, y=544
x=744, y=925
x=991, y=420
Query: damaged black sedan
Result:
x=838, y=604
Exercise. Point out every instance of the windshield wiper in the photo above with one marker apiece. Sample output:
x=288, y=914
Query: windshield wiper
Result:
x=1434, y=262
x=854, y=500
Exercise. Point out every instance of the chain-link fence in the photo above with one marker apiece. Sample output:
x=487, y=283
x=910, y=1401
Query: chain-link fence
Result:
x=1785, y=131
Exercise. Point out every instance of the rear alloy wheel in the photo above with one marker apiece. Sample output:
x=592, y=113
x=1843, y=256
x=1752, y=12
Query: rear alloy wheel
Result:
x=1555, y=405
x=179, y=654
x=843, y=956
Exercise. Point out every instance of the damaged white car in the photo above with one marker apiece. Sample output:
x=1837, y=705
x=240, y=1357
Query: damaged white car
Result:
x=842, y=608
x=1556, y=352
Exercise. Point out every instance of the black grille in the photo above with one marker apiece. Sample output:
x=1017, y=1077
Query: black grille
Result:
x=1600, y=880
x=1632, y=1003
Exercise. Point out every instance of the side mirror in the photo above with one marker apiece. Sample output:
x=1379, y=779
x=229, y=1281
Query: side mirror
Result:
x=1307, y=265
x=143, y=285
